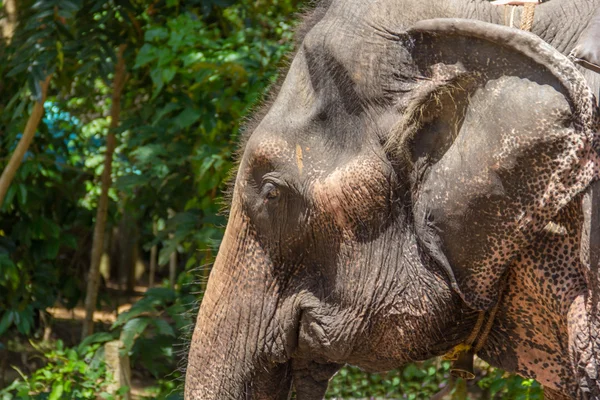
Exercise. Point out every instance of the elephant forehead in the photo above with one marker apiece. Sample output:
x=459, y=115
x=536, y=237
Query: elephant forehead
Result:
x=299, y=157
x=267, y=148
x=295, y=158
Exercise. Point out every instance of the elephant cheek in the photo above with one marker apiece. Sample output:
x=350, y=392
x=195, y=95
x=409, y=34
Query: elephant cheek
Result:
x=330, y=200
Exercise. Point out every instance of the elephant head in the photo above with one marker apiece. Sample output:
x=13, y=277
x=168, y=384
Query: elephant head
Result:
x=381, y=197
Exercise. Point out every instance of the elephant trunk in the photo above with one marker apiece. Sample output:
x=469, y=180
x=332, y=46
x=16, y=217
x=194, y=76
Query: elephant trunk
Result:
x=214, y=372
x=233, y=353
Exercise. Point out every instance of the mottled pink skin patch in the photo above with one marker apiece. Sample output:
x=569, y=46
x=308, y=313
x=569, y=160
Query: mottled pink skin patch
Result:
x=541, y=310
x=342, y=193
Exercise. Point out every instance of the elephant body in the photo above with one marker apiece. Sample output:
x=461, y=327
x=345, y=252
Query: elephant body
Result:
x=417, y=167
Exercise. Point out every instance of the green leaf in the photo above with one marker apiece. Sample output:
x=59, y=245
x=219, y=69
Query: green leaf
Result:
x=165, y=295
x=163, y=327
x=39, y=5
x=128, y=183
x=165, y=57
x=24, y=320
x=192, y=58
x=6, y=321
x=146, y=55
x=57, y=391
x=43, y=14
x=17, y=69
x=50, y=248
x=69, y=240
x=99, y=337
x=49, y=228
x=168, y=74
x=157, y=33
x=156, y=75
x=10, y=194
x=22, y=194
x=149, y=153
x=187, y=117
x=123, y=390
x=165, y=110
x=132, y=330
x=68, y=5
x=139, y=308
x=9, y=270
x=497, y=386
x=60, y=55
x=165, y=253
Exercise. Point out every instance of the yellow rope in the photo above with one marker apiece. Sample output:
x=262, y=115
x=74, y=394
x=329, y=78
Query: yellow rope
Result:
x=528, y=16
x=476, y=329
x=453, y=354
x=467, y=345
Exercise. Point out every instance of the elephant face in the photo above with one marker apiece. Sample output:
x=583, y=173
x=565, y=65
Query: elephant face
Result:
x=380, y=198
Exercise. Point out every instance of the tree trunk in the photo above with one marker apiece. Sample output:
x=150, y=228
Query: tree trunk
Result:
x=172, y=269
x=153, y=253
x=128, y=249
x=99, y=228
x=10, y=22
x=117, y=362
x=172, y=259
x=17, y=157
x=105, y=260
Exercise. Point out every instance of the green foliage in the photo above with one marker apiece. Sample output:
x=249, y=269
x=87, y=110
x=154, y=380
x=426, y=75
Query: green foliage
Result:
x=166, y=389
x=151, y=330
x=194, y=71
x=422, y=381
x=44, y=226
x=76, y=374
x=412, y=382
x=39, y=42
x=153, y=327
x=511, y=387
x=201, y=72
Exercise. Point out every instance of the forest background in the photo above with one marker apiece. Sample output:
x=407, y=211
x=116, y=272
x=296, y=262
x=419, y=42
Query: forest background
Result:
x=118, y=127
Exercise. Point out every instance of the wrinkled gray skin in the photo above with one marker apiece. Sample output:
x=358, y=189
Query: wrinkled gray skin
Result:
x=407, y=175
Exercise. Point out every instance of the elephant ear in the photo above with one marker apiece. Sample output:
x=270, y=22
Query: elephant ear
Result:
x=499, y=134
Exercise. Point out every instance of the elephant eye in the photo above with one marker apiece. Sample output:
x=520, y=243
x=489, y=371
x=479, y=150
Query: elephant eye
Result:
x=273, y=193
x=270, y=191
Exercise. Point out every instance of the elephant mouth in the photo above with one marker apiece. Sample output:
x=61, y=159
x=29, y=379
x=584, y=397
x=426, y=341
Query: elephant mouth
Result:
x=312, y=337
x=325, y=335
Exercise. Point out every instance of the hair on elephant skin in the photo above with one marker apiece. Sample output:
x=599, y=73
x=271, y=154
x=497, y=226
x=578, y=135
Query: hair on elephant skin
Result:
x=418, y=164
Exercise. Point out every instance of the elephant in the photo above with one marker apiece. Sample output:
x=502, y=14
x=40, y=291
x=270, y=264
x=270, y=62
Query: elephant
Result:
x=419, y=180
